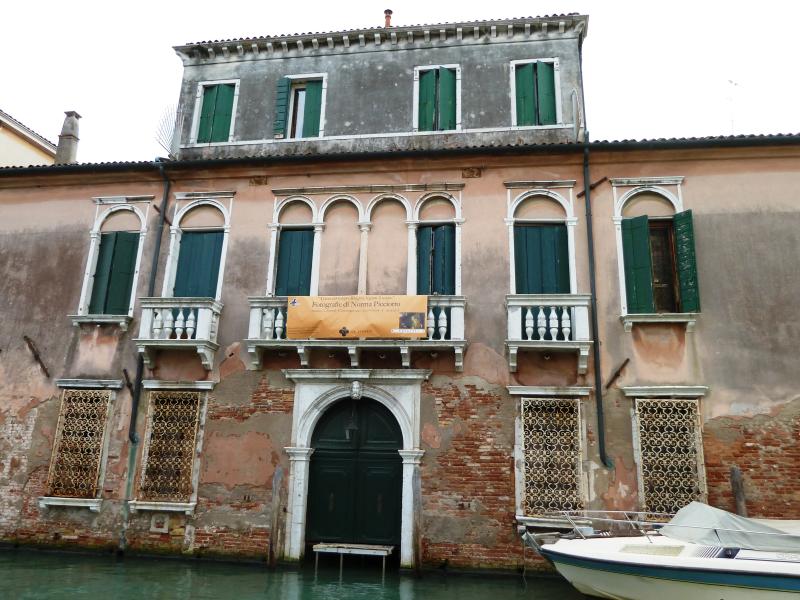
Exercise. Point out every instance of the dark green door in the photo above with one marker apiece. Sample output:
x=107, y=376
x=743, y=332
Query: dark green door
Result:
x=198, y=264
x=355, y=476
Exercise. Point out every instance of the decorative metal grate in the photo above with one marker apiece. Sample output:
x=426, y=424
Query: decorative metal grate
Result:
x=552, y=447
x=172, y=431
x=669, y=460
x=78, y=447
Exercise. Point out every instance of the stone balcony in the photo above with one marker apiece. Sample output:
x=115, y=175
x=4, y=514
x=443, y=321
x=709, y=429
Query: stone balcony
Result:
x=179, y=324
x=548, y=323
x=445, y=329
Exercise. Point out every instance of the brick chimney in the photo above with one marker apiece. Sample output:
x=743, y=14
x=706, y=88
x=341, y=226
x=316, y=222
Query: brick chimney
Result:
x=67, y=150
x=387, y=16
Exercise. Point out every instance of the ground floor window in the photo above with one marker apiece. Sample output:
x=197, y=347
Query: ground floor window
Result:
x=78, y=447
x=172, y=425
x=553, y=454
x=669, y=453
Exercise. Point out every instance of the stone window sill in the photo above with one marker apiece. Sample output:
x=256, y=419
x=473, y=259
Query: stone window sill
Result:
x=690, y=319
x=184, y=507
x=552, y=522
x=121, y=320
x=93, y=504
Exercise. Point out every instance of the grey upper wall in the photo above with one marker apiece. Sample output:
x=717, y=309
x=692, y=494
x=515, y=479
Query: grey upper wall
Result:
x=370, y=85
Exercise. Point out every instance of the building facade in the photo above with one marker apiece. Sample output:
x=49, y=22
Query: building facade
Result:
x=21, y=146
x=621, y=355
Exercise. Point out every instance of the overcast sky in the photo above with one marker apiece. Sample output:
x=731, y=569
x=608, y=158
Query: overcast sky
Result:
x=652, y=68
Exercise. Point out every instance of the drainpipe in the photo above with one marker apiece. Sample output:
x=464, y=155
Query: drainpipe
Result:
x=151, y=287
x=598, y=375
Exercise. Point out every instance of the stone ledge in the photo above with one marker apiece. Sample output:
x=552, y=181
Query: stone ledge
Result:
x=184, y=507
x=689, y=318
x=93, y=504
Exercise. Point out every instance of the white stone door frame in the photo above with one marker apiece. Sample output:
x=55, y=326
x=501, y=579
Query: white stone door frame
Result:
x=400, y=391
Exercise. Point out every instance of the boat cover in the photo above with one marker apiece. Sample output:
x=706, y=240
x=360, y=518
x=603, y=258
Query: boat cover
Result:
x=703, y=524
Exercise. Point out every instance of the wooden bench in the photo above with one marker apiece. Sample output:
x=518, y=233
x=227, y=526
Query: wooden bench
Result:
x=360, y=549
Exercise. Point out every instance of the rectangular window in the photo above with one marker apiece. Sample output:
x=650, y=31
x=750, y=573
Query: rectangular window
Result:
x=113, y=274
x=198, y=264
x=298, y=108
x=535, y=93
x=295, y=253
x=78, y=446
x=669, y=454
x=173, y=421
x=437, y=99
x=660, y=264
x=436, y=260
x=541, y=259
x=216, y=113
x=552, y=450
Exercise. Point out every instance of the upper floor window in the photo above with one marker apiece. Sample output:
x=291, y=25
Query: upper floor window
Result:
x=437, y=98
x=216, y=106
x=659, y=263
x=436, y=264
x=300, y=106
x=535, y=92
x=109, y=285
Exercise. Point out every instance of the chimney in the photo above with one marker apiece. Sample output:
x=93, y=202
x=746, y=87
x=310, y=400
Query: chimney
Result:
x=67, y=150
x=387, y=15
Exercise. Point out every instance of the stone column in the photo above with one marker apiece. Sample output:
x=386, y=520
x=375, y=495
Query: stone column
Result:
x=408, y=520
x=362, y=258
x=299, y=459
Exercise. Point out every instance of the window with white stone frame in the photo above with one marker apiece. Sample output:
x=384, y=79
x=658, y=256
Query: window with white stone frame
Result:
x=669, y=453
x=80, y=444
x=552, y=455
x=170, y=447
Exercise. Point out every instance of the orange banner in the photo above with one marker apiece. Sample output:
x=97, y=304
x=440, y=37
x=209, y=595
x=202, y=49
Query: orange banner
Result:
x=347, y=317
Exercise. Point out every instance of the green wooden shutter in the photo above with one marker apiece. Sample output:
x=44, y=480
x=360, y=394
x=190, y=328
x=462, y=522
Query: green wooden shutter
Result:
x=521, y=259
x=443, y=277
x=638, y=268
x=123, y=266
x=447, y=99
x=686, y=262
x=282, y=107
x=546, y=93
x=541, y=258
x=523, y=76
x=424, y=257
x=223, y=110
x=102, y=274
x=311, y=115
x=198, y=264
x=295, y=254
x=427, y=100
x=207, y=114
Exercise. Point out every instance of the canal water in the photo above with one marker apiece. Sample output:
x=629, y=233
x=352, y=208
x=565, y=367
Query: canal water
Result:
x=32, y=575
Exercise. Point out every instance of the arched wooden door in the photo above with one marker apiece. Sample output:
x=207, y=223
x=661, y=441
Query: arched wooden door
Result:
x=354, y=491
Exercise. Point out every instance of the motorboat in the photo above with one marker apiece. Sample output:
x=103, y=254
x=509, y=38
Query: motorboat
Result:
x=700, y=553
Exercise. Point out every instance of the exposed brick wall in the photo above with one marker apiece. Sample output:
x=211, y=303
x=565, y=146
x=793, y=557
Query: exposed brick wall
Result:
x=245, y=543
x=468, y=484
x=264, y=400
x=767, y=450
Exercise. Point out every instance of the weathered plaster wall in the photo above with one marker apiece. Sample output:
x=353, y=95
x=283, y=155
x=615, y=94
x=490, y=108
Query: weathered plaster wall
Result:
x=745, y=226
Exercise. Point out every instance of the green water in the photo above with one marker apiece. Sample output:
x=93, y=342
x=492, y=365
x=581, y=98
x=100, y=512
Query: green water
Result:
x=27, y=575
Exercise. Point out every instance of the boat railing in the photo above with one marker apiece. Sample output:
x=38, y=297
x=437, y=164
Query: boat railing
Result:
x=589, y=523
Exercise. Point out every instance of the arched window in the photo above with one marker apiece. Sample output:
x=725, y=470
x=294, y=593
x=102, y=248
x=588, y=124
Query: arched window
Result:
x=197, y=250
x=438, y=264
x=655, y=244
x=292, y=248
x=109, y=287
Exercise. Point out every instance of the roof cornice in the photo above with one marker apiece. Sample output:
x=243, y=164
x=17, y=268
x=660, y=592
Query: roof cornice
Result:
x=383, y=39
x=28, y=134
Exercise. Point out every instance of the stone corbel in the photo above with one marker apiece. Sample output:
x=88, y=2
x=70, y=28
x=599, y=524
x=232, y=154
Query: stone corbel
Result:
x=512, y=358
x=405, y=356
x=355, y=353
x=583, y=359
x=459, y=358
x=302, y=352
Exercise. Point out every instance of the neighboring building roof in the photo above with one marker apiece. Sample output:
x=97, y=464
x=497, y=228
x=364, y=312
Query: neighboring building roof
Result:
x=721, y=141
x=38, y=140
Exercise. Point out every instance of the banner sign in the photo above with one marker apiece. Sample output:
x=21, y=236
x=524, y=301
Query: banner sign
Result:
x=348, y=317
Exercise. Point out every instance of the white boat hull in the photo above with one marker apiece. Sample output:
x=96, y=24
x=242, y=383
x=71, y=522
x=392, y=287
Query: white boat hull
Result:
x=617, y=586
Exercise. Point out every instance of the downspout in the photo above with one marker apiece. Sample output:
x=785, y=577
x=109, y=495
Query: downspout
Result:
x=151, y=288
x=598, y=376
x=587, y=190
x=137, y=384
